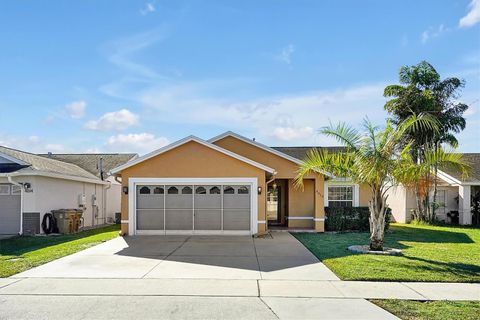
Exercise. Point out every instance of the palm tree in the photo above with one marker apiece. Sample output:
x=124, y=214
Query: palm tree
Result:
x=376, y=157
x=421, y=90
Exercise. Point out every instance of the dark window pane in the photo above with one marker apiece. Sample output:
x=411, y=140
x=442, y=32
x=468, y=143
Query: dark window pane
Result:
x=172, y=190
x=145, y=190
x=214, y=190
x=228, y=190
x=242, y=190
x=158, y=190
x=201, y=190
x=187, y=190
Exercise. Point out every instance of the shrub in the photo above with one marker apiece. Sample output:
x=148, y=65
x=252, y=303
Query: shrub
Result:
x=350, y=219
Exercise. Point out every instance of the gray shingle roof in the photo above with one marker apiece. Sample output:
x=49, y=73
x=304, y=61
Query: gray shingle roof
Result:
x=90, y=161
x=39, y=163
x=301, y=152
x=473, y=160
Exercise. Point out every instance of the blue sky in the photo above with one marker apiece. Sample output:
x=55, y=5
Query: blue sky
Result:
x=117, y=76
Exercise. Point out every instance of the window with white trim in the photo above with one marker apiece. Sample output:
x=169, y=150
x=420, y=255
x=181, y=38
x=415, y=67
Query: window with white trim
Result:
x=340, y=196
x=4, y=189
x=16, y=190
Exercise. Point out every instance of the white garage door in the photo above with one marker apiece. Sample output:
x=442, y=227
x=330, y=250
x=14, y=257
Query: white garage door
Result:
x=9, y=209
x=193, y=208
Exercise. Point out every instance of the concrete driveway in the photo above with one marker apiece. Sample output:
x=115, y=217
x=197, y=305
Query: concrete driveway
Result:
x=184, y=277
x=280, y=257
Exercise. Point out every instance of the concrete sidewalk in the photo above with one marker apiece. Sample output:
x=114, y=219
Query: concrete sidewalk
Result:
x=241, y=288
x=203, y=277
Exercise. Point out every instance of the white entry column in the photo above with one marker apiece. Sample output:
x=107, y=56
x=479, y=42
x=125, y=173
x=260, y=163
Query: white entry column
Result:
x=464, y=206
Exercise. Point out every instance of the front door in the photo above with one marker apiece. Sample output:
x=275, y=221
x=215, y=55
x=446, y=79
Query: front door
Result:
x=274, y=206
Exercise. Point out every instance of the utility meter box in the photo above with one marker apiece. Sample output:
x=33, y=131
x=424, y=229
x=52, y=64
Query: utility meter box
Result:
x=94, y=200
x=82, y=200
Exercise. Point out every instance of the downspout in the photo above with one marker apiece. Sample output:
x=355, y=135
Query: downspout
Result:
x=105, y=188
x=9, y=178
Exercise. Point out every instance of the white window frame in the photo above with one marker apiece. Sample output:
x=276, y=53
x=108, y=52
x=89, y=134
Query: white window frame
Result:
x=15, y=190
x=7, y=193
x=332, y=183
x=132, y=198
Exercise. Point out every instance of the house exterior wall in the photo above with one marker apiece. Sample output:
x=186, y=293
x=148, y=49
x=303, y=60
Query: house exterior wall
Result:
x=301, y=204
x=397, y=201
x=113, y=199
x=194, y=160
x=365, y=194
x=51, y=193
x=307, y=204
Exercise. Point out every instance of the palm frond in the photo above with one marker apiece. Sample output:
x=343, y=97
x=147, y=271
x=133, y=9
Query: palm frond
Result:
x=344, y=134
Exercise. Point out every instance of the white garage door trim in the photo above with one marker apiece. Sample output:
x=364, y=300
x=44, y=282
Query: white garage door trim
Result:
x=132, y=212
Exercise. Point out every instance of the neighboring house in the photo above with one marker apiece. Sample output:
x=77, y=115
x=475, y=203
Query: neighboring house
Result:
x=227, y=185
x=99, y=164
x=454, y=194
x=32, y=185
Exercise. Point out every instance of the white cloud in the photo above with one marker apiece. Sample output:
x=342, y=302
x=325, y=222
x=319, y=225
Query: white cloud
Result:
x=292, y=133
x=117, y=120
x=289, y=117
x=76, y=109
x=122, y=52
x=473, y=16
x=432, y=33
x=136, y=142
x=286, y=54
x=148, y=8
x=33, y=144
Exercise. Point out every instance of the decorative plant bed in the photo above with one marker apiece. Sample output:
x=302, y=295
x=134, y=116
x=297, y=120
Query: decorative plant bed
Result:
x=366, y=249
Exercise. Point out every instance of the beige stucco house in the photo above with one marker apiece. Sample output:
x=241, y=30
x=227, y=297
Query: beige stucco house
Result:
x=455, y=193
x=32, y=185
x=226, y=185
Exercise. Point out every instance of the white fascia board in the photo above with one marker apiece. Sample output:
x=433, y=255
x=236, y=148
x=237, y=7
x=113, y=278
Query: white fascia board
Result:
x=256, y=144
x=454, y=181
x=182, y=142
x=13, y=159
x=53, y=175
x=448, y=178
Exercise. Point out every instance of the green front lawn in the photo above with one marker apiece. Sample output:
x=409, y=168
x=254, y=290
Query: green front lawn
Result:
x=431, y=310
x=22, y=253
x=431, y=253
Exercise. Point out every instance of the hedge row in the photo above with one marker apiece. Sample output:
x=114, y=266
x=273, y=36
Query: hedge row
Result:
x=350, y=219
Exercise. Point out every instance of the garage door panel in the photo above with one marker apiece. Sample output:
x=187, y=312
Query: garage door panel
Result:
x=153, y=201
x=150, y=219
x=177, y=197
x=236, y=201
x=208, y=197
x=236, y=197
x=235, y=219
x=208, y=219
x=177, y=219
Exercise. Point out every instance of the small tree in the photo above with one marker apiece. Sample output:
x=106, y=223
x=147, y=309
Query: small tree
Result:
x=375, y=157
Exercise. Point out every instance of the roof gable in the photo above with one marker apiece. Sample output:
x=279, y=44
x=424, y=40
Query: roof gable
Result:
x=256, y=144
x=453, y=176
x=184, y=141
x=91, y=161
x=35, y=164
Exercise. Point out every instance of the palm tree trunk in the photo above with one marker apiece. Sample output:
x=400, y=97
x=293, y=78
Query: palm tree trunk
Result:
x=435, y=187
x=377, y=208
